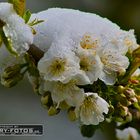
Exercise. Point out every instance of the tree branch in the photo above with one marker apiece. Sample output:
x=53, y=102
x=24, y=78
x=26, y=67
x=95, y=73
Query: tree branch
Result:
x=35, y=52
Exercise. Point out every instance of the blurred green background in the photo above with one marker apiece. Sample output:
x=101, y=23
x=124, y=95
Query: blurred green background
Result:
x=126, y=13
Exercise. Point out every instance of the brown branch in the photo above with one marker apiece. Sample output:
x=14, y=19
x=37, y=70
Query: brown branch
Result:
x=35, y=52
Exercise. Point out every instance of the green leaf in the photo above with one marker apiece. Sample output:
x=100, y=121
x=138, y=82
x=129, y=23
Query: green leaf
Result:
x=8, y=44
x=88, y=130
x=27, y=16
x=35, y=22
x=19, y=6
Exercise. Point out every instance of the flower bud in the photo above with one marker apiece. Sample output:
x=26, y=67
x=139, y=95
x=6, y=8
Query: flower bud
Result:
x=120, y=89
x=119, y=119
x=123, y=111
x=71, y=114
x=132, y=81
x=53, y=111
x=63, y=105
x=11, y=71
x=129, y=92
x=45, y=99
x=133, y=100
x=111, y=109
x=10, y=82
x=122, y=99
x=121, y=72
x=128, y=117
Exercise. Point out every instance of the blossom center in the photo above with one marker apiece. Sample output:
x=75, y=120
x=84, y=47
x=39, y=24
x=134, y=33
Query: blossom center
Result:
x=57, y=67
x=128, y=42
x=85, y=64
x=88, y=43
x=89, y=106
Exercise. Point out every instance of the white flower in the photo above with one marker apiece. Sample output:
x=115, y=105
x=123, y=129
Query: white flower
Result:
x=68, y=92
x=111, y=59
x=15, y=28
x=60, y=64
x=90, y=63
x=130, y=41
x=92, y=108
x=127, y=134
x=113, y=63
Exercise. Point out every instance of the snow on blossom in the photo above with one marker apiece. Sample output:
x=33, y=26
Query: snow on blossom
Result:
x=127, y=134
x=92, y=108
x=15, y=28
x=59, y=22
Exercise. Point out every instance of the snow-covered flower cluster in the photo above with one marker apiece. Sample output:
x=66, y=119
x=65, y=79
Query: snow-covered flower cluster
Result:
x=78, y=61
x=79, y=52
x=18, y=33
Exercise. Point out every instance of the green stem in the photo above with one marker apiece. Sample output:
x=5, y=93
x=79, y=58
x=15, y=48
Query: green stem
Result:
x=133, y=67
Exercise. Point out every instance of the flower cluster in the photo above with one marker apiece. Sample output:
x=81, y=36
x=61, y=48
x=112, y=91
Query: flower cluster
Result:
x=87, y=66
x=72, y=61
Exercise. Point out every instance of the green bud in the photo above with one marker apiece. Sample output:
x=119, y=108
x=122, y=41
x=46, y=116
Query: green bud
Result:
x=53, y=111
x=122, y=99
x=121, y=72
x=10, y=82
x=133, y=100
x=119, y=119
x=123, y=111
x=128, y=117
x=63, y=105
x=71, y=114
x=129, y=92
x=111, y=109
x=128, y=103
x=121, y=89
x=11, y=71
x=45, y=99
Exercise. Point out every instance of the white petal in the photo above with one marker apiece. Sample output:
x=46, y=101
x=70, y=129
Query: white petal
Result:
x=108, y=78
